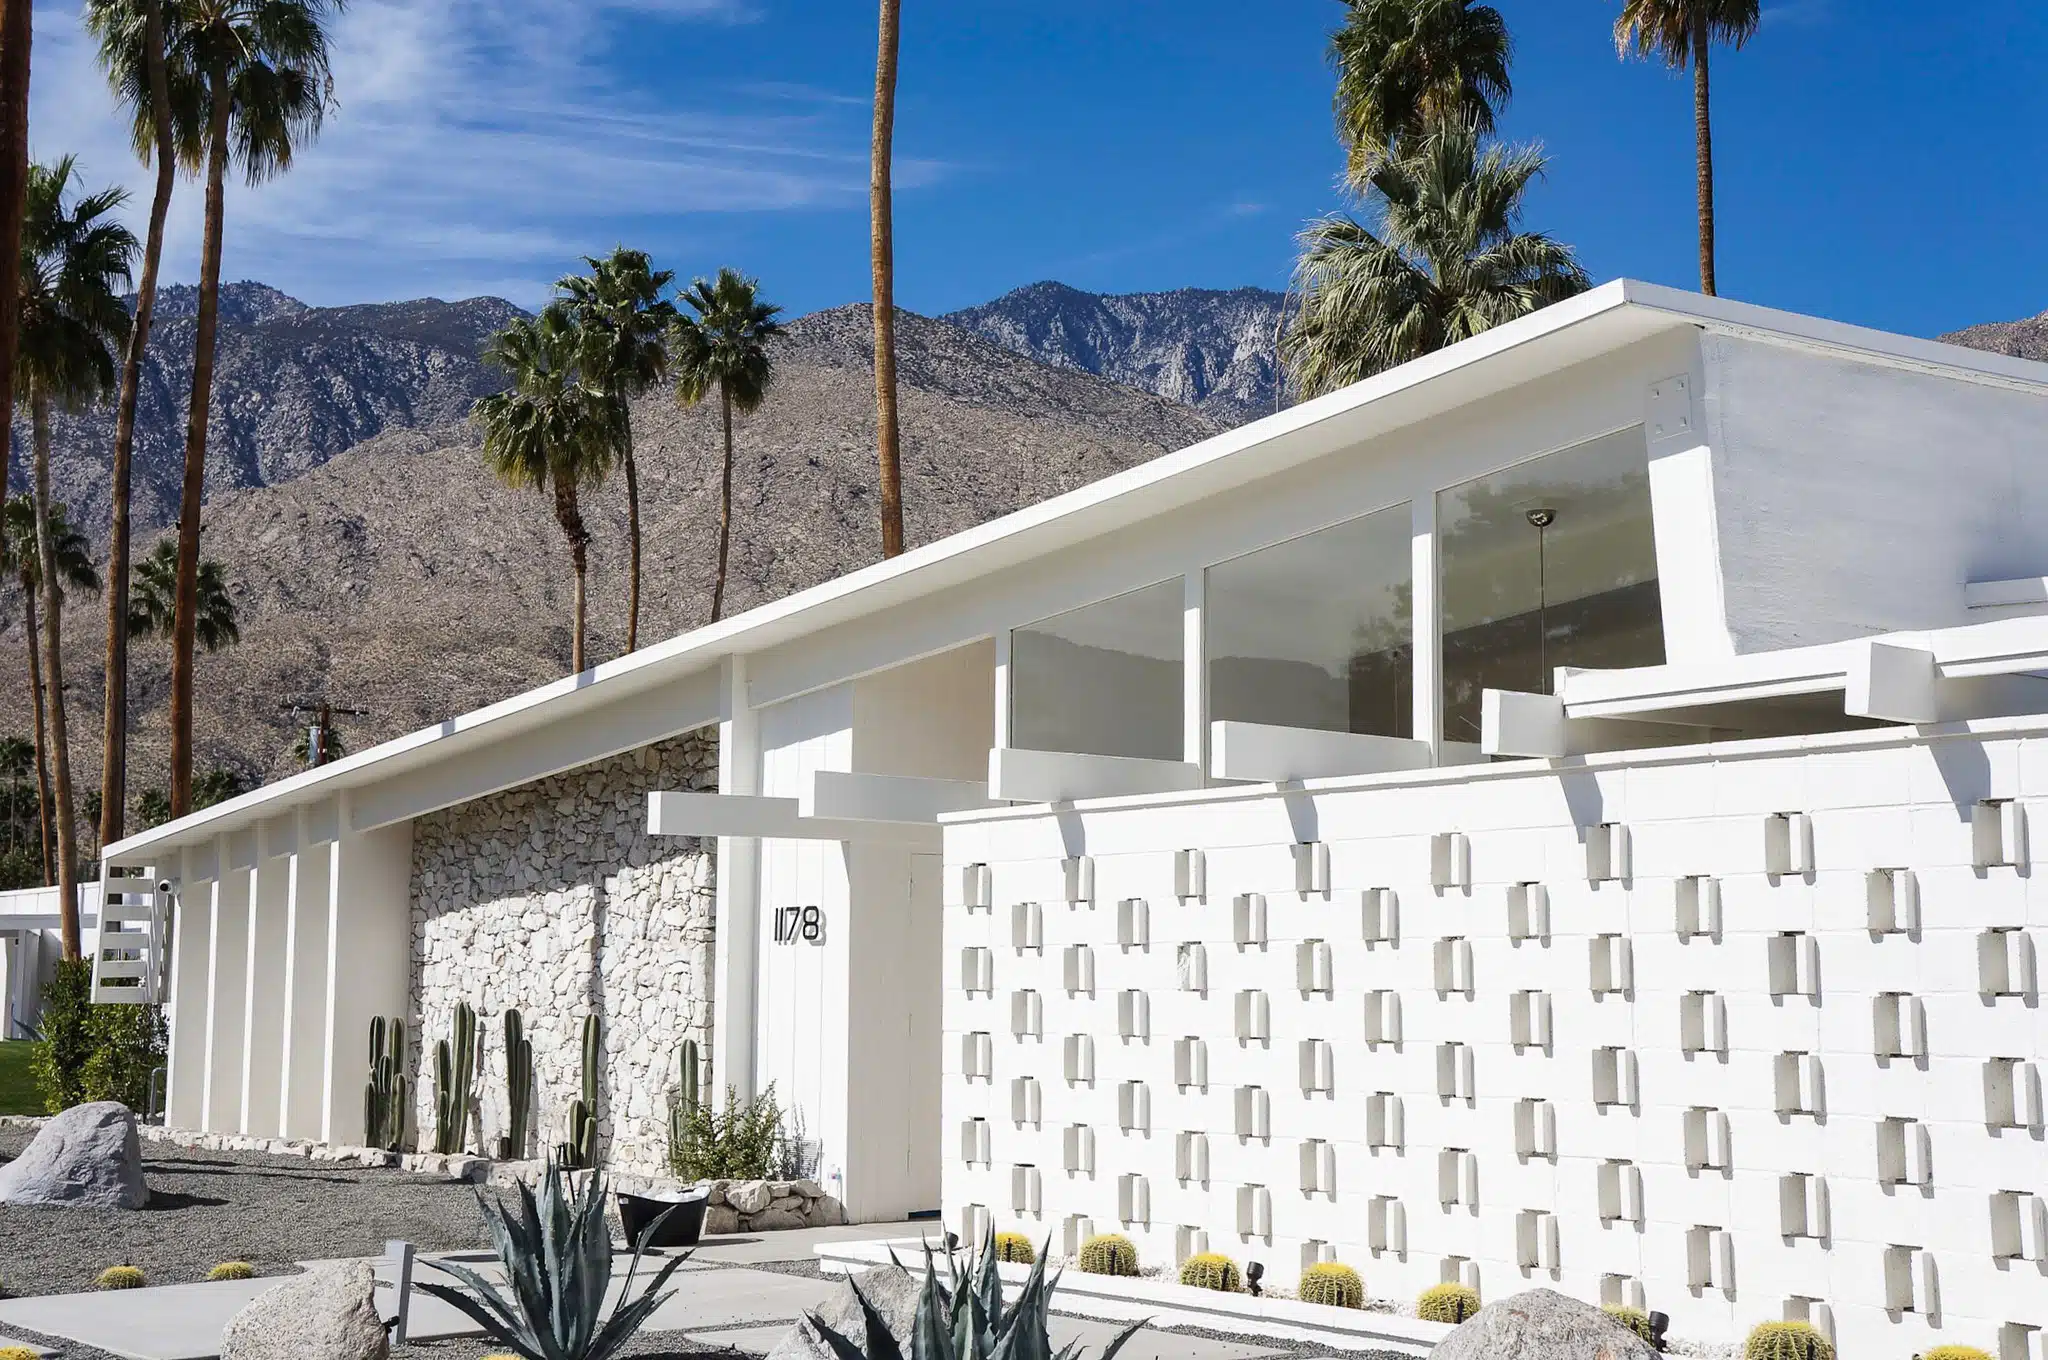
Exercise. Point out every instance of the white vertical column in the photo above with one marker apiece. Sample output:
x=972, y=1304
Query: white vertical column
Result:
x=1427, y=610
x=264, y=1016
x=1002, y=687
x=305, y=992
x=10, y=991
x=191, y=952
x=226, y=1000
x=1194, y=699
x=369, y=963
x=736, y=944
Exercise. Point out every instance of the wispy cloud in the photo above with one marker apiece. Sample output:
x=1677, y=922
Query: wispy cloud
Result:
x=482, y=140
x=1799, y=13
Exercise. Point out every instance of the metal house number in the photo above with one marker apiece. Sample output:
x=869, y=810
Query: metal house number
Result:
x=793, y=924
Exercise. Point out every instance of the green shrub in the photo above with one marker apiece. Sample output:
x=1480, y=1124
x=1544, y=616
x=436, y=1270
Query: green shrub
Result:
x=1451, y=1303
x=1333, y=1284
x=95, y=1052
x=737, y=1143
x=1015, y=1248
x=128, y=1044
x=120, y=1277
x=1211, y=1270
x=1786, y=1341
x=232, y=1270
x=1953, y=1353
x=67, y=1036
x=1108, y=1254
x=1635, y=1319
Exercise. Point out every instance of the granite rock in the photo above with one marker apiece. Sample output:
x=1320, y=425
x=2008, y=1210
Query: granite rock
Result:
x=89, y=1156
x=329, y=1313
x=1541, y=1324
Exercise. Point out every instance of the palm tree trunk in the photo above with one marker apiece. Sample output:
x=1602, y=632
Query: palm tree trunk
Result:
x=632, y=544
x=53, y=649
x=570, y=516
x=35, y=691
x=16, y=31
x=184, y=632
x=882, y=247
x=114, y=732
x=724, y=508
x=1703, y=136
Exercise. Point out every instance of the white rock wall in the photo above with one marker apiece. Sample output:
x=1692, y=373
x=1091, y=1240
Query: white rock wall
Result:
x=552, y=898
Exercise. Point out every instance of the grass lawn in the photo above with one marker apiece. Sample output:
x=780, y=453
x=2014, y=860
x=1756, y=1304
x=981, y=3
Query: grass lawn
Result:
x=18, y=1093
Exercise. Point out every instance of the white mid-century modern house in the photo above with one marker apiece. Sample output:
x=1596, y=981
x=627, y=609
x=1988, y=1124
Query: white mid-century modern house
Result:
x=1557, y=812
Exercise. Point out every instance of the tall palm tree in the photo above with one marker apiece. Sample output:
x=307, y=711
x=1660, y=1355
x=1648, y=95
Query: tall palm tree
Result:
x=74, y=269
x=882, y=257
x=1446, y=263
x=16, y=29
x=723, y=347
x=624, y=320
x=1404, y=66
x=20, y=558
x=1681, y=33
x=263, y=69
x=131, y=36
x=548, y=431
x=153, y=605
x=17, y=758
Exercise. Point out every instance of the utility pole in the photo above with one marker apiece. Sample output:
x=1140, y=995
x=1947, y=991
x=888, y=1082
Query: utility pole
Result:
x=319, y=746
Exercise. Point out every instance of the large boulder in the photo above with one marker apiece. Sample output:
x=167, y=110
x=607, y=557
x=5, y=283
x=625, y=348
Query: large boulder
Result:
x=892, y=1291
x=88, y=1156
x=1542, y=1325
x=328, y=1313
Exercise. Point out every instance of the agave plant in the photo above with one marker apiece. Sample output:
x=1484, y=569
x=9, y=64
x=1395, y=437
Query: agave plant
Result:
x=970, y=1322
x=557, y=1254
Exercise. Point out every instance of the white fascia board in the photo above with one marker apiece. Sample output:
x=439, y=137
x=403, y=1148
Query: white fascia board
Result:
x=1264, y=754
x=1023, y=776
x=2002, y=647
x=731, y=814
x=836, y=794
x=1646, y=691
x=2025, y=590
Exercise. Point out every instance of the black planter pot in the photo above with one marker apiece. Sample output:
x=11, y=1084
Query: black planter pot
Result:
x=637, y=1214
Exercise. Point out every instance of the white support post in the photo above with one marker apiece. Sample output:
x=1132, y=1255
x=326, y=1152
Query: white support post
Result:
x=190, y=931
x=1194, y=703
x=226, y=1000
x=1426, y=610
x=264, y=1017
x=369, y=966
x=1003, y=676
x=738, y=895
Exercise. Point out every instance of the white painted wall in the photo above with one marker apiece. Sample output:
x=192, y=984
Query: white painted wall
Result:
x=369, y=963
x=1877, y=800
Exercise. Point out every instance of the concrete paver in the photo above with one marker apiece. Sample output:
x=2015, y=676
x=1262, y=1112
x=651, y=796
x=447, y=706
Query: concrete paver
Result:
x=753, y=1249
x=1093, y=1336
x=169, y=1322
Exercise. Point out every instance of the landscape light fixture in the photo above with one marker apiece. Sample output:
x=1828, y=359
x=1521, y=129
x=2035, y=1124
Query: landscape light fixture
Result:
x=1540, y=519
x=1253, y=1273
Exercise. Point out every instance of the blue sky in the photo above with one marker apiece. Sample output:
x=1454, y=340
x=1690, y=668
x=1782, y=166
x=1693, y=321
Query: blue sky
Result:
x=1880, y=161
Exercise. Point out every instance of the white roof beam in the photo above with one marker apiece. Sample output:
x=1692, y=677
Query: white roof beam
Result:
x=1261, y=753
x=836, y=794
x=1022, y=776
x=731, y=814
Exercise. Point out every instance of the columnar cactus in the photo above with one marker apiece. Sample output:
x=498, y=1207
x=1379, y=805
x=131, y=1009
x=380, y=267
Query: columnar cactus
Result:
x=1108, y=1254
x=453, y=1065
x=1333, y=1284
x=1635, y=1319
x=1451, y=1303
x=1786, y=1341
x=518, y=1083
x=1015, y=1248
x=580, y=1149
x=386, y=1093
x=1211, y=1270
x=683, y=1107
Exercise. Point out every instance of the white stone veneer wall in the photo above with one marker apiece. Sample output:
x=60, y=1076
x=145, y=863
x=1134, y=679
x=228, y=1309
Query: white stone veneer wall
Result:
x=553, y=898
x=1494, y=1166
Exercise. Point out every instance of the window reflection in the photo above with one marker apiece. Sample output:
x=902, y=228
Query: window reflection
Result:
x=1104, y=679
x=1315, y=632
x=1549, y=563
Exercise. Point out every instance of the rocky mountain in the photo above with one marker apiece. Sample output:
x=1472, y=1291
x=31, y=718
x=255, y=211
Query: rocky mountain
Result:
x=398, y=577
x=2026, y=339
x=1204, y=348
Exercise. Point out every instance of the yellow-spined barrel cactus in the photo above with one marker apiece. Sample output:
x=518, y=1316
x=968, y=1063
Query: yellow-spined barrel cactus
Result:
x=1635, y=1319
x=1786, y=1341
x=120, y=1277
x=232, y=1270
x=1953, y=1353
x=1211, y=1270
x=1015, y=1248
x=1451, y=1303
x=1333, y=1284
x=1108, y=1254
x=18, y=1353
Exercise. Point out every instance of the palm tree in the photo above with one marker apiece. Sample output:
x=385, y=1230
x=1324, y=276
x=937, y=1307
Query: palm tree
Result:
x=724, y=347
x=1404, y=66
x=131, y=37
x=20, y=558
x=1446, y=263
x=548, y=431
x=17, y=26
x=263, y=69
x=17, y=758
x=619, y=308
x=1680, y=33
x=882, y=257
x=152, y=608
x=74, y=269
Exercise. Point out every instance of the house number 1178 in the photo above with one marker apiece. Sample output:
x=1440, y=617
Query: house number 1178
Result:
x=799, y=923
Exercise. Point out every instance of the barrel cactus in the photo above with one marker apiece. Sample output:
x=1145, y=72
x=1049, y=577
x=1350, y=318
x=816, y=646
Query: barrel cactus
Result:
x=1108, y=1254
x=1452, y=1303
x=1953, y=1353
x=1015, y=1248
x=1786, y=1341
x=232, y=1270
x=1211, y=1270
x=1635, y=1319
x=19, y=1353
x=1333, y=1284
x=120, y=1277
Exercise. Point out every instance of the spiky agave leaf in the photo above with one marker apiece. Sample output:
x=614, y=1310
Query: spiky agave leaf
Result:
x=928, y=1337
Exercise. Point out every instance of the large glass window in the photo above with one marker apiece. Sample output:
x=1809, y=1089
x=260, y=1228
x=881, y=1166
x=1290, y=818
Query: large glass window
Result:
x=1315, y=632
x=1549, y=563
x=1104, y=679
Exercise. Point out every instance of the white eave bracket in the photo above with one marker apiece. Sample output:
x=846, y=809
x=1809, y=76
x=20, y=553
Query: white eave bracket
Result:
x=728, y=814
x=1017, y=775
